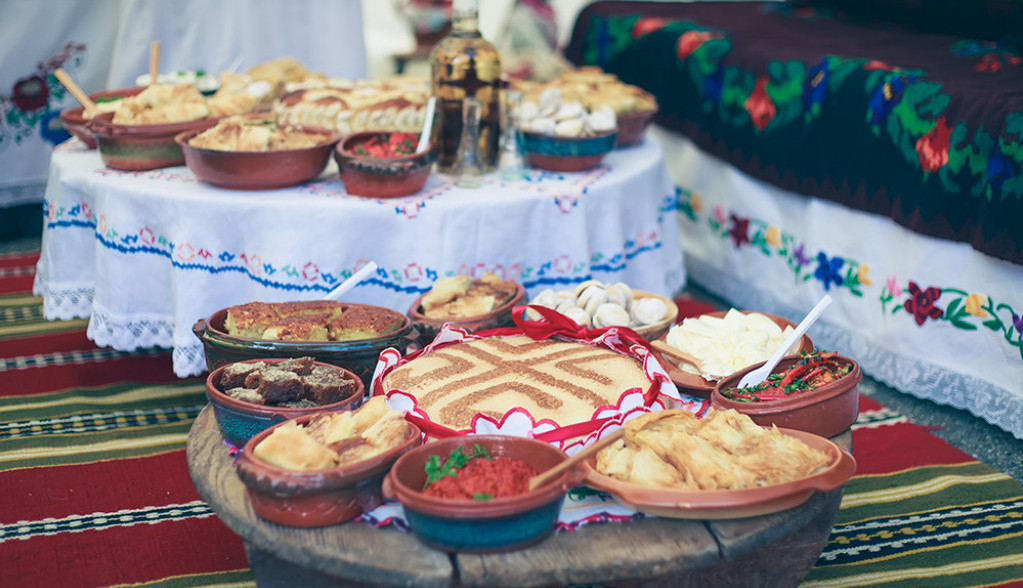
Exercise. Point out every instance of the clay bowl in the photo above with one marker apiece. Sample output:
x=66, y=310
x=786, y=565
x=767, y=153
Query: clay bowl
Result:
x=316, y=498
x=632, y=127
x=74, y=119
x=826, y=411
x=697, y=385
x=141, y=147
x=730, y=504
x=239, y=420
x=480, y=526
x=380, y=177
x=499, y=317
x=566, y=154
x=262, y=170
x=358, y=355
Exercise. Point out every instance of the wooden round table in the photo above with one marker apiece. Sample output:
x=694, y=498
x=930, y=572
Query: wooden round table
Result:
x=771, y=550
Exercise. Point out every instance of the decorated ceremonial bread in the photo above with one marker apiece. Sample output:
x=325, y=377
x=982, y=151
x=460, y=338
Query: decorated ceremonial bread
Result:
x=348, y=106
x=725, y=450
x=462, y=296
x=563, y=381
x=254, y=132
x=334, y=439
x=313, y=320
x=594, y=304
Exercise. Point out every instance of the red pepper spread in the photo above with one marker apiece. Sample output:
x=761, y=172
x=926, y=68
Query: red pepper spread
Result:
x=810, y=372
x=383, y=145
x=477, y=476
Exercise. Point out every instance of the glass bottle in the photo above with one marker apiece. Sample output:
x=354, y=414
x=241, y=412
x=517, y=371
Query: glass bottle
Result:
x=465, y=64
x=510, y=161
x=468, y=165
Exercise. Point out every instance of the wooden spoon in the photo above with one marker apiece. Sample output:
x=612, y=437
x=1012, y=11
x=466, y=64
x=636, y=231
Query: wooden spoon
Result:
x=154, y=62
x=548, y=475
x=91, y=110
x=676, y=353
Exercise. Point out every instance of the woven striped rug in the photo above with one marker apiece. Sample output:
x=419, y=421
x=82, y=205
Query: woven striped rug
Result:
x=95, y=490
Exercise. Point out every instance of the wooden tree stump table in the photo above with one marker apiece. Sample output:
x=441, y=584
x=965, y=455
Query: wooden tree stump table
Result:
x=771, y=550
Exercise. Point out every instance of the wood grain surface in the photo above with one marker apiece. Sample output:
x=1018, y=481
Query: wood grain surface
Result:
x=776, y=549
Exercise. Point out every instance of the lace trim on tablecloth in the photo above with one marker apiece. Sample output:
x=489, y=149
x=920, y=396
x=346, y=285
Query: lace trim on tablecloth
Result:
x=128, y=335
x=189, y=360
x=65, y=304
x=906, y=374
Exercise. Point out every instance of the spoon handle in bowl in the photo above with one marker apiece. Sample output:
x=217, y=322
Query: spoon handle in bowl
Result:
x=76, y=91
x=548, y=475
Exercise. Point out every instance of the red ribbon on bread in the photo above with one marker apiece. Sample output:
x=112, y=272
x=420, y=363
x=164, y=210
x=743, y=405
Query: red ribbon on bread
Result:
x=554, y=323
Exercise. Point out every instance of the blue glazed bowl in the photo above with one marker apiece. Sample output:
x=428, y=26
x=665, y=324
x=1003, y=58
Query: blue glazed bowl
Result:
x=480, y=526
x=566, y=154
x=239, y=421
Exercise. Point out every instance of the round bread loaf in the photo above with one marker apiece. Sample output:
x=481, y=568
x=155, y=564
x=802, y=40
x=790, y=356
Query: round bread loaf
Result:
x=561, y=381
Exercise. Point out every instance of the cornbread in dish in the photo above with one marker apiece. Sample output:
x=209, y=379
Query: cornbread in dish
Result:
x=314, y=320
x=565, y=382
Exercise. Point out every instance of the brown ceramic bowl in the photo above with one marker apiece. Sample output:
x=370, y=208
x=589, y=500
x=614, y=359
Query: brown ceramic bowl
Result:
x=566, y=154
x=259, y=170
x=316, y=498
x=141, y=147
x=632, y=127
x=730, y=504
x=74, y=119
x=826, y=411
x=655, y=330
x=359, y=355
x=238, y=420
x=697, y=385
x=380, y=177
x=480, y=526
x=499, y=317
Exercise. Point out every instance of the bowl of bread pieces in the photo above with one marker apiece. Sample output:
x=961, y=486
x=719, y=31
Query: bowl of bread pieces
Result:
x=722, y=343
x=139, y=134
x=596, y=305
x=564, y=135
x=249, y=396
x=471, y=493
x=471, y=304
x=252, y=151
x=76, y=120
x=324, y=468
x=344, y=334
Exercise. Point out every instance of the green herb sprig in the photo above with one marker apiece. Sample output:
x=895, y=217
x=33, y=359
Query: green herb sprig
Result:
x=435, y=470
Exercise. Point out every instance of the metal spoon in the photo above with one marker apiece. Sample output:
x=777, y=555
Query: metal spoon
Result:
x=760, y=374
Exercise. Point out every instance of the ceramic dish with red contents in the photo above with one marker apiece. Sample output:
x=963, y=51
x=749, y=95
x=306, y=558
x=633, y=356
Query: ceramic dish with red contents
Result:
x=476, y=475
x=815, y=392
x=382, y=164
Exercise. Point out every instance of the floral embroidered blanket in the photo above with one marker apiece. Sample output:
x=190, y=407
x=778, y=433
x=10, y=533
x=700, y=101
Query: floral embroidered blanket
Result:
x=925, y=129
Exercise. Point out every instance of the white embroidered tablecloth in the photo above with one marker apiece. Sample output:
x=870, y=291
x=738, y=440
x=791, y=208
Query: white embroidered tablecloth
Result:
x=147, y=254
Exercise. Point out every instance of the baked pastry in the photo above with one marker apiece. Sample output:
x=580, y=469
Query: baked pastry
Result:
x=557, y=380
x=461, y=296
x=293, y=383
x=335, y=439
x=364, y=322
x=250, y=319
x=254, y=133
x=162, y=104
x=725, y=450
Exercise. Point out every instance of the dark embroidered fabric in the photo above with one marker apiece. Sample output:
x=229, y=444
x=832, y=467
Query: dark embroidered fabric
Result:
x=925, y=129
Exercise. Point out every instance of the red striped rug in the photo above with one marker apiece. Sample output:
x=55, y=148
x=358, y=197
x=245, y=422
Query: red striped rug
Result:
x=95, y=490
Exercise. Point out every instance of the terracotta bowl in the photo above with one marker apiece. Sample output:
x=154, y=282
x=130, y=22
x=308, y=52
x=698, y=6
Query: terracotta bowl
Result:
x=263, y=170
x=480, y=526
x=632, y=127
x=730, y=504
x=699, y=386
x=239, y=420
x=376, y=177
x=566, y=154
x=499, y=317
x=74, y=118
x=316, y=498
x=141, y=147
x=826, y=411
x=359, y=356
